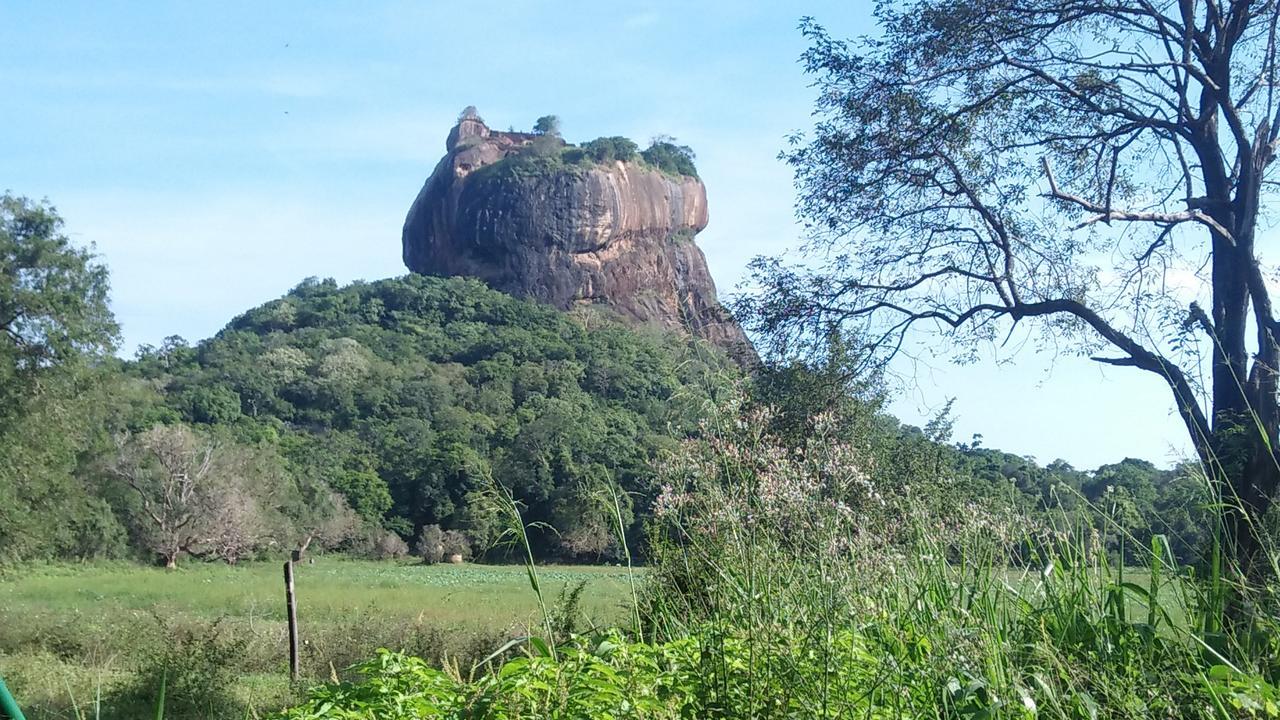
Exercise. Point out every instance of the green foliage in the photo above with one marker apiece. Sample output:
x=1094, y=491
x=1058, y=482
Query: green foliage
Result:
x=55, y=333
x=216, y=404
x=193, y=671
x=669, y=157
x=789, y=585
x=1127, y=503
x=611, y=149
x=365, y=491
x=826, y=593
x=547, y=125
x=401, y=394
x=591, y=678
x=53, y=303
x=548, y=155
x=49, y=507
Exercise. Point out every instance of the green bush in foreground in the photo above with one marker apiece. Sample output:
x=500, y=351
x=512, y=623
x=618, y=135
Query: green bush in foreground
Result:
x=589, y=679
x=730, y=673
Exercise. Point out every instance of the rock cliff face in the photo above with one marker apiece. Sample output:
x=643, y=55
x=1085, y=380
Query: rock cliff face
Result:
x=619, y=234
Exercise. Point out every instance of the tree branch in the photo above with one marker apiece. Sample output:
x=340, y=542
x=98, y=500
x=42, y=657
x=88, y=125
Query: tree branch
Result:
x=1104, y=213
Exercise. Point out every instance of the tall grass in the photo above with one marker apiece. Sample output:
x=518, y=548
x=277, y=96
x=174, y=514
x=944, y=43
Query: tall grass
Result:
x=786, y=583
x=514, y=532
x=852, y=600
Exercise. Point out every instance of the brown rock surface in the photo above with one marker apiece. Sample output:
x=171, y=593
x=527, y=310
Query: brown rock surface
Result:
x=620, y=235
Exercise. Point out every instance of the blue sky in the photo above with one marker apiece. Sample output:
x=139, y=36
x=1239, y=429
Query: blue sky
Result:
x=218, y=153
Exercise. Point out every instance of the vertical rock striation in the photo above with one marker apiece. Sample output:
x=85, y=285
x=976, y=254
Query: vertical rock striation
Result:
x=619, y=234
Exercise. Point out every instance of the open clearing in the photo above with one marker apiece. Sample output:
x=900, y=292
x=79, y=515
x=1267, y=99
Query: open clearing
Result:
x=71, y=631
x=482, y=595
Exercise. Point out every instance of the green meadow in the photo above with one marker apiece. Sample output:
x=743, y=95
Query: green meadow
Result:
x=70, y=633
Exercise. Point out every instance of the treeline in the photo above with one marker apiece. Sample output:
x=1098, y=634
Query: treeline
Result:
x=1122, y=506
x=376, y=418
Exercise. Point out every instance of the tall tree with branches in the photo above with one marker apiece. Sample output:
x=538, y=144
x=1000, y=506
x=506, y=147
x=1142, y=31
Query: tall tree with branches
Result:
x=1091, y=173
x=54, y=315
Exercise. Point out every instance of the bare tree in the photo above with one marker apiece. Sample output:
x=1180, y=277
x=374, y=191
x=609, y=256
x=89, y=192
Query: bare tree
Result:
x=168, y=469
x=194, y=496
x=233, y=524
x=1097, y=166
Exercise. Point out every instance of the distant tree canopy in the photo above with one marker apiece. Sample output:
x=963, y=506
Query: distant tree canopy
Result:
x=547, y=125
x=356, y=418
x=1125, y=503
x=611, y=149
x=667, y=156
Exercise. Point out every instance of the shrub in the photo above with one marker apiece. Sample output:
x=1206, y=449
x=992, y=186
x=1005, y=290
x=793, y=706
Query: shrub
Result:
x=574, y=156
x=430, y=544
x=390, y=546
x=212, y=405
x=591, y=678
x=378, y=544
x=591, y=540
x=609, y=149
x=544, y=146
x=456, y=542
x=669, y=157
x=193, y=666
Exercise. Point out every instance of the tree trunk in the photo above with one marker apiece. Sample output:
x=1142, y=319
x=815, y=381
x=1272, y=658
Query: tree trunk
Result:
x=1246, y=509
x=302, y=547
x=1244, y=475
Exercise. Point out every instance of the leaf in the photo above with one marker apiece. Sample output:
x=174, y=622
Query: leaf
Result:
x=540, y=645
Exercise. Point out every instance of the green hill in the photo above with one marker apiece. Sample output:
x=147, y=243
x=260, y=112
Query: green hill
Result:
x=405, y=395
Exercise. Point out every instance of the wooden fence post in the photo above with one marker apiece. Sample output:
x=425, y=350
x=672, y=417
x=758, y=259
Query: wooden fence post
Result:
x=291, y=604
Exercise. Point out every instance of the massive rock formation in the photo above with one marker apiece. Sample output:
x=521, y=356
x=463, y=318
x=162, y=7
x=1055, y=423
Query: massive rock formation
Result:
x=617, y=233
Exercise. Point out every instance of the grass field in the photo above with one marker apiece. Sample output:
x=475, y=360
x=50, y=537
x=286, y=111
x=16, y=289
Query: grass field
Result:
x=70, y=632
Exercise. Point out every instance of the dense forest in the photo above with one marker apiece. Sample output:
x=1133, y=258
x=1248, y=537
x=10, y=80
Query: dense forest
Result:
x=405, y=395
x=376, y=417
